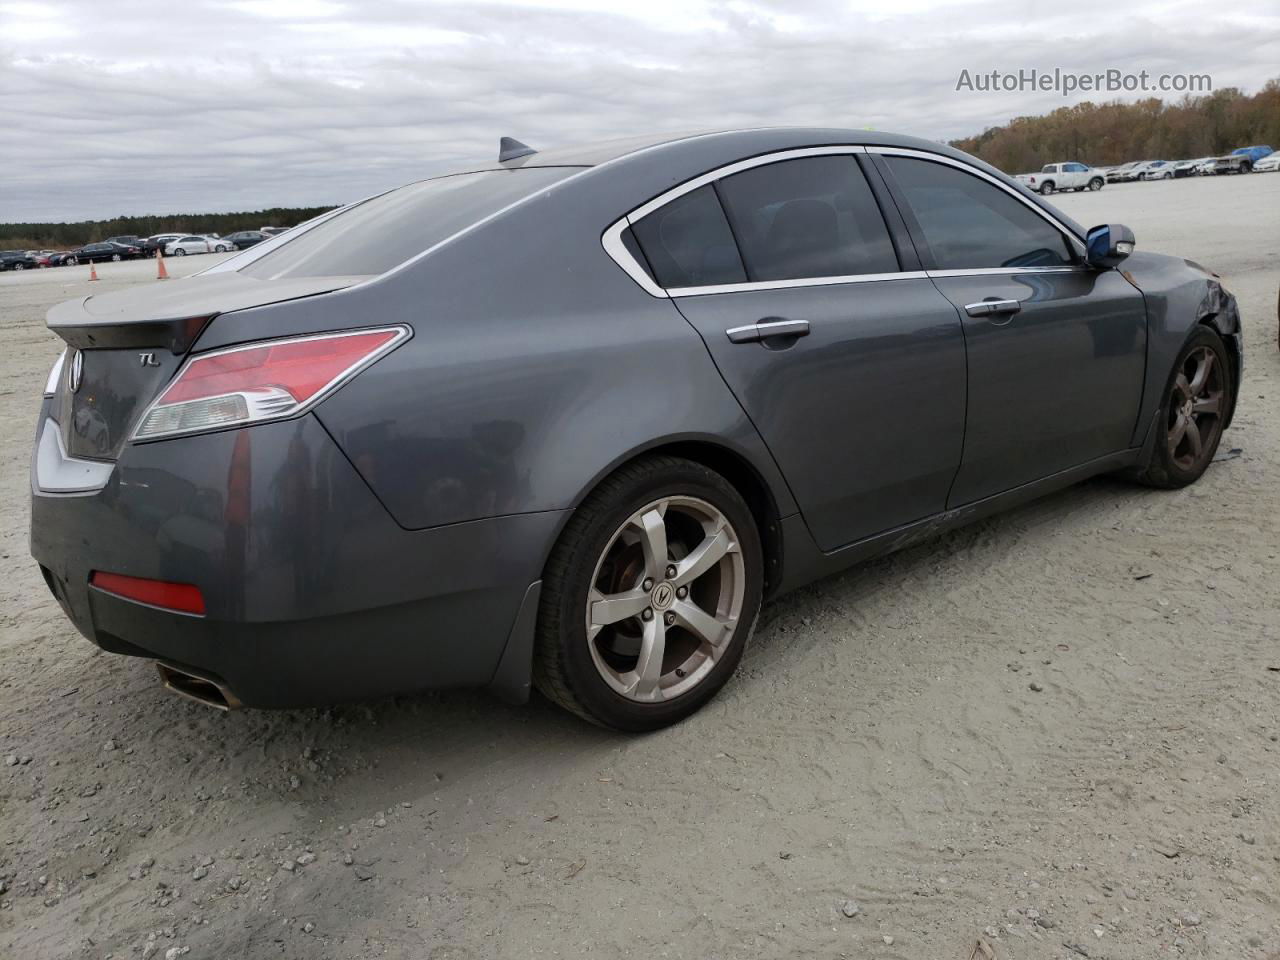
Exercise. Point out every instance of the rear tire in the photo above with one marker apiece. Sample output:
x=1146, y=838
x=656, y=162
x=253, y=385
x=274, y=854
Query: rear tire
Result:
x=180, y=252
x=649, y=596
x=1192, y=414
x=1046, y=188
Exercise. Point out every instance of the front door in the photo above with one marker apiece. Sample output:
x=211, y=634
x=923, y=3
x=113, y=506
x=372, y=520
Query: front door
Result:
x=1056, y=350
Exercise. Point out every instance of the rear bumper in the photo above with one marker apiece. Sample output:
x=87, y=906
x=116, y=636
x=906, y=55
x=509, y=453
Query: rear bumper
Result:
x=313, y=593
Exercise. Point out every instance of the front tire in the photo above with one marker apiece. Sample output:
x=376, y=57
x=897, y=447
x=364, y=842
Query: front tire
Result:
x=1096, y=183
x=1197, y=400
x=649, y=596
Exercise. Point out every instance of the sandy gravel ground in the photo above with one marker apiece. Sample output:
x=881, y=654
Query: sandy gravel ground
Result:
x=882, y=780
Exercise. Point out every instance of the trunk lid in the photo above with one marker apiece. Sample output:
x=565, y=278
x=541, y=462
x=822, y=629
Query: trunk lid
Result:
x=125, y=346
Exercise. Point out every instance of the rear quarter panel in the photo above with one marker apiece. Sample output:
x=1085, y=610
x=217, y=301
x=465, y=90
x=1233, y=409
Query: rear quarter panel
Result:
x=536, y=367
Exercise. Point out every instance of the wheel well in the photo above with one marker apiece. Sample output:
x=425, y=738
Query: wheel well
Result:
x=1233, y=355
x=748, y=482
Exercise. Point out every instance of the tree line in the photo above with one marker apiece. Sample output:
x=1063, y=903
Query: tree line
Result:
x=1101, y=134
x=65, y=236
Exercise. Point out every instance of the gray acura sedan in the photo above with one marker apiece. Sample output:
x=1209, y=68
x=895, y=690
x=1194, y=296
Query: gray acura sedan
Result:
x=568, y=420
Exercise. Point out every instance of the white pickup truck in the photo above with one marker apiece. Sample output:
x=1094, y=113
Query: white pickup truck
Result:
x=1063, y=176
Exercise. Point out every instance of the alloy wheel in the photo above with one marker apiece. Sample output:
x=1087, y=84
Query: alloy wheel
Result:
x=1196, y=406
x=665, y=599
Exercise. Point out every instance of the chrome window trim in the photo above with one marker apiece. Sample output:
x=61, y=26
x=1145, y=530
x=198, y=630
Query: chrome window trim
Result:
x=788, y=284
x=728, y=170
x=617, y=250
x=611, y=240
x=983, y=175
x=1005, y=271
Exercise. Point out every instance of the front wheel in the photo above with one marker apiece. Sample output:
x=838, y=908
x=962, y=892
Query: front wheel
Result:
x=649, y=597
x=1246, y=167
x=1096, y=183
x=1197, y=399
x=116, y=257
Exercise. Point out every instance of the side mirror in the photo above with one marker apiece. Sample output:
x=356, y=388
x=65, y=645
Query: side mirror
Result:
x=1106, y=245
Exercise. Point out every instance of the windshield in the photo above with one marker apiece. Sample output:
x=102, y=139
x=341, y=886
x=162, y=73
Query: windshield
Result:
x=370, y=238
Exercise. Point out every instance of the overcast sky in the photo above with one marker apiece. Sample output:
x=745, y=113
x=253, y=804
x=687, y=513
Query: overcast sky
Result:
x=118, y=107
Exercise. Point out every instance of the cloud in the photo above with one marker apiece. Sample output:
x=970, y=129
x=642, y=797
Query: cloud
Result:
x=138, y=107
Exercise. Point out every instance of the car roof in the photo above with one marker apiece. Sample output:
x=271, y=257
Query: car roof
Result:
x=595, y=154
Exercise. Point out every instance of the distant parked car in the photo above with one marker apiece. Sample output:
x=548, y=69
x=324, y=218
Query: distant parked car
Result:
x=245, y=238
x=1152, y=170
x=219, y=244
x=1063, y=176
x=1119, y=174
x=272, y=231
x=192, y=244
x=107, y=250
x=17, y=260
x=1268, y=164
x=158, y=242
x=128, y=240
x=61, y=258
x=1188, y=168
x=1241, y=160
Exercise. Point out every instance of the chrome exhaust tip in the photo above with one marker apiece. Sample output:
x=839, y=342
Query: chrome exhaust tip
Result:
x=197, y=688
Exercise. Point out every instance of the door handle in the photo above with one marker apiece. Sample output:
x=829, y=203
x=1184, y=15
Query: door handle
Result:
x=988, y=308
x=765, y=329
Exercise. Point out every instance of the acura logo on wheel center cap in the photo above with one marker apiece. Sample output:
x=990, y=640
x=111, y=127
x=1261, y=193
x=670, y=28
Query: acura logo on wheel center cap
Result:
x=663, y=594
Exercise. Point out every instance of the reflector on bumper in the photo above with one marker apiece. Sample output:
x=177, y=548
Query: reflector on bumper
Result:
x=181, y=597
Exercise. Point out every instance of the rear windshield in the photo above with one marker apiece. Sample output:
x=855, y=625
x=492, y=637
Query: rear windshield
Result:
x=384, y=232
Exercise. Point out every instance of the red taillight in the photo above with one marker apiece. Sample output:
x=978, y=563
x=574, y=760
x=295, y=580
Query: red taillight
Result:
x=262, y=381
x=183, y=597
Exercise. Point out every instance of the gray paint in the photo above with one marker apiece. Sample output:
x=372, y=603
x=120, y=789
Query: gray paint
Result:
x=392, y=538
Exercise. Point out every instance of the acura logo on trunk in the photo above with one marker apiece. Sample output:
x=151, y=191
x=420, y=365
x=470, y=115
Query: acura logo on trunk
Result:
x=77, y=372
x=148, y=360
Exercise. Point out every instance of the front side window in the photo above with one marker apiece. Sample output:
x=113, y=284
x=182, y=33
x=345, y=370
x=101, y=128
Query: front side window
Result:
x=811, y=217
x=688, y=242
x=972, y=224
x=372, y=237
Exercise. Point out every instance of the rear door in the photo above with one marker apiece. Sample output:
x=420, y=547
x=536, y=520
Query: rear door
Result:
x=1056, y=350
x=851, y=367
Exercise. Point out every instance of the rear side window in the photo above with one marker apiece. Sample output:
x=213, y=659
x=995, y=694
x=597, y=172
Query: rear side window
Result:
x=381, y=233
x=807, y=218
x=972, y=224
x=688, y=242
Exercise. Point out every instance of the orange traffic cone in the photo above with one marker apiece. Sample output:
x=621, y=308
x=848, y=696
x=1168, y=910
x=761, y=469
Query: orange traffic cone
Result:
x=93, y=271
x=161, y=272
